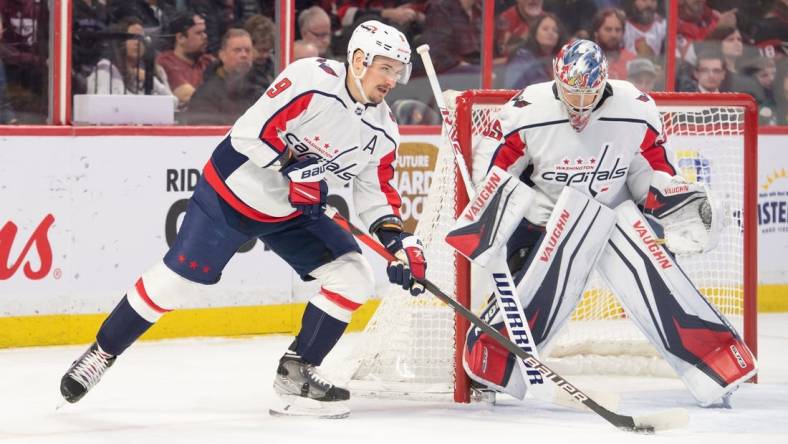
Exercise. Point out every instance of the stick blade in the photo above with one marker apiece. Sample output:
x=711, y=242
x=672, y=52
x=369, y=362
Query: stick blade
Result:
x=665, y=420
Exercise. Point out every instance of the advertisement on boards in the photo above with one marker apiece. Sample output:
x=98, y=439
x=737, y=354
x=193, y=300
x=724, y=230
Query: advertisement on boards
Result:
x=83, y=217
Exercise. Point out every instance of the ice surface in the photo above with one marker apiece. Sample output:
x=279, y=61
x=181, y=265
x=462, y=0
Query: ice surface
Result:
x=219, y=390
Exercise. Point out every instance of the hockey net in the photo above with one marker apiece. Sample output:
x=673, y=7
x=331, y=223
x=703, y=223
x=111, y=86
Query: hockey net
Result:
x=411, y=346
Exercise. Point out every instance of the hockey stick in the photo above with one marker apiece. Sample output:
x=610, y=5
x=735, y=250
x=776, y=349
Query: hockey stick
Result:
x=643, y=424
x=446, y=122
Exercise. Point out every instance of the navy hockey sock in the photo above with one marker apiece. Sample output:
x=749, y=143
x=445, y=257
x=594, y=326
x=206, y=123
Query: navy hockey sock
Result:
x=319, y=333
x=123, y=326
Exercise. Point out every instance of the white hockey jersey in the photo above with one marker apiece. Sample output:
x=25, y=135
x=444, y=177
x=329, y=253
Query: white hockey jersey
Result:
x=309, y=111
x=611, y=160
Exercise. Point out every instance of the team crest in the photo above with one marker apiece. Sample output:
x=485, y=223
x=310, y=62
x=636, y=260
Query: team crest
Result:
x=643, y=98
x=324, y=66
x=519, y=102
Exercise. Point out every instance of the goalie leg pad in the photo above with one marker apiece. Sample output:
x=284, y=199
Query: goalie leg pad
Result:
x=694, y=338
x=487, y=362
x=558, y=269
x=487, y=222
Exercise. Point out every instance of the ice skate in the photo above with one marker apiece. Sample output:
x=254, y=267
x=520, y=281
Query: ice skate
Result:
x=304, y=392
x=85, y=372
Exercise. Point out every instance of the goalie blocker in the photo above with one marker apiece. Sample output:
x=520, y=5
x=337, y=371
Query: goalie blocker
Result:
x=695, y=339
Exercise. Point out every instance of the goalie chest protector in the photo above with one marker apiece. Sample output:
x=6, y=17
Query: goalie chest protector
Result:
x=532, y=132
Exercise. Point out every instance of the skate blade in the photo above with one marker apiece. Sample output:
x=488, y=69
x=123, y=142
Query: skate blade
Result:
x=296, y=406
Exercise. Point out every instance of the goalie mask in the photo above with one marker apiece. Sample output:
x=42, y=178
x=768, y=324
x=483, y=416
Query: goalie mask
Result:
x=374, y=38
x=580, y=72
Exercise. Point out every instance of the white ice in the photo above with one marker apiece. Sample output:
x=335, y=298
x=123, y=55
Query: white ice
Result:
x=219, y=391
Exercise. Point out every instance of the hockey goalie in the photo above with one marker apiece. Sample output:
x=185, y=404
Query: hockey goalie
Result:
x=590, y=152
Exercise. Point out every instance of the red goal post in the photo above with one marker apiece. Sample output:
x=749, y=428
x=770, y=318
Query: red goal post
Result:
x=745, y=125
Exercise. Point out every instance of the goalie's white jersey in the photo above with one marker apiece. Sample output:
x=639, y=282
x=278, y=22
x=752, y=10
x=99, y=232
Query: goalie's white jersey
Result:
x=611, y=160
x=309, y=111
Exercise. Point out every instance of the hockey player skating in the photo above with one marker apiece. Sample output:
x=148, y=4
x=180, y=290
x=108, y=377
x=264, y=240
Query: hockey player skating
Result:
x=590, y=149
x=321, y=124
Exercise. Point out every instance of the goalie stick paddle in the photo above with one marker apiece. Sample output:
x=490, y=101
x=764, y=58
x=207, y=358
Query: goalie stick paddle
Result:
x=668, y=419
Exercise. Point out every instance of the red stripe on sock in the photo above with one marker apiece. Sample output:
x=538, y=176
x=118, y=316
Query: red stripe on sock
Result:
x=144, y=295
x=340, y=300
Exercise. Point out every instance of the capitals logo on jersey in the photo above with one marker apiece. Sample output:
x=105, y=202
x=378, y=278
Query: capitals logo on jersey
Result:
x=588, y=171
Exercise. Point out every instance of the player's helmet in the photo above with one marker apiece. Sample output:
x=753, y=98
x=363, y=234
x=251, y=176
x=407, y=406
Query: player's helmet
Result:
x=374, y=38
x=580, y=70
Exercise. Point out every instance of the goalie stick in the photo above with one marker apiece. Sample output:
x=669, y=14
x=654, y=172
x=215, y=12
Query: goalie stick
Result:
x=514, y=317
x=667, y=419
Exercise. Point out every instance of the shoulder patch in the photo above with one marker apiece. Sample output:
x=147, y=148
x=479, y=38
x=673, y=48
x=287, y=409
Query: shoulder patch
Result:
x=643, y=97
x=324, y=66
x=519, y=102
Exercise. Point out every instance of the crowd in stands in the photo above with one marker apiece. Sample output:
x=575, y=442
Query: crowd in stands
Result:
x=215, y=57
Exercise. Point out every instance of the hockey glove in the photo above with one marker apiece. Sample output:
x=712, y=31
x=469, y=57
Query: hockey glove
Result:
x=686, y=214
x=411, y=267
x=308, y=188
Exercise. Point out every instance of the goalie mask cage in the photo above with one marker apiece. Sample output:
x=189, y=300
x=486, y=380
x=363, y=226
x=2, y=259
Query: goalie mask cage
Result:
x=412, y=347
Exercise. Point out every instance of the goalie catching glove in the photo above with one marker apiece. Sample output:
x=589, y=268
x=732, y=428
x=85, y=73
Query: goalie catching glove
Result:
x=684, y=210
x=410, y=267
x=308, y=187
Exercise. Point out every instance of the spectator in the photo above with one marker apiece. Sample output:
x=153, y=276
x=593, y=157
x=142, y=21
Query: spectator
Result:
x=263, y=32
x=246, y=9
x=219, y=16
x=642, y=73
x=123, y=72
x=533, y=62
x=24, y=49
x=731, y=44
x=414, y=112
x=453, y=29
x=303, y=49
x=228, y=90
x=603, y=4
x=7, y=115
x=771, y=34
x=512, y=26
x=709, y=72
x=185, y=64
x=406, y=15
x=781, y=94
x=763, y=71
x=576, y=15
x=155, y=15
x=696, y=21
x=315, y=26
x=644, y=32
x=88, y=26
x=608, y=34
